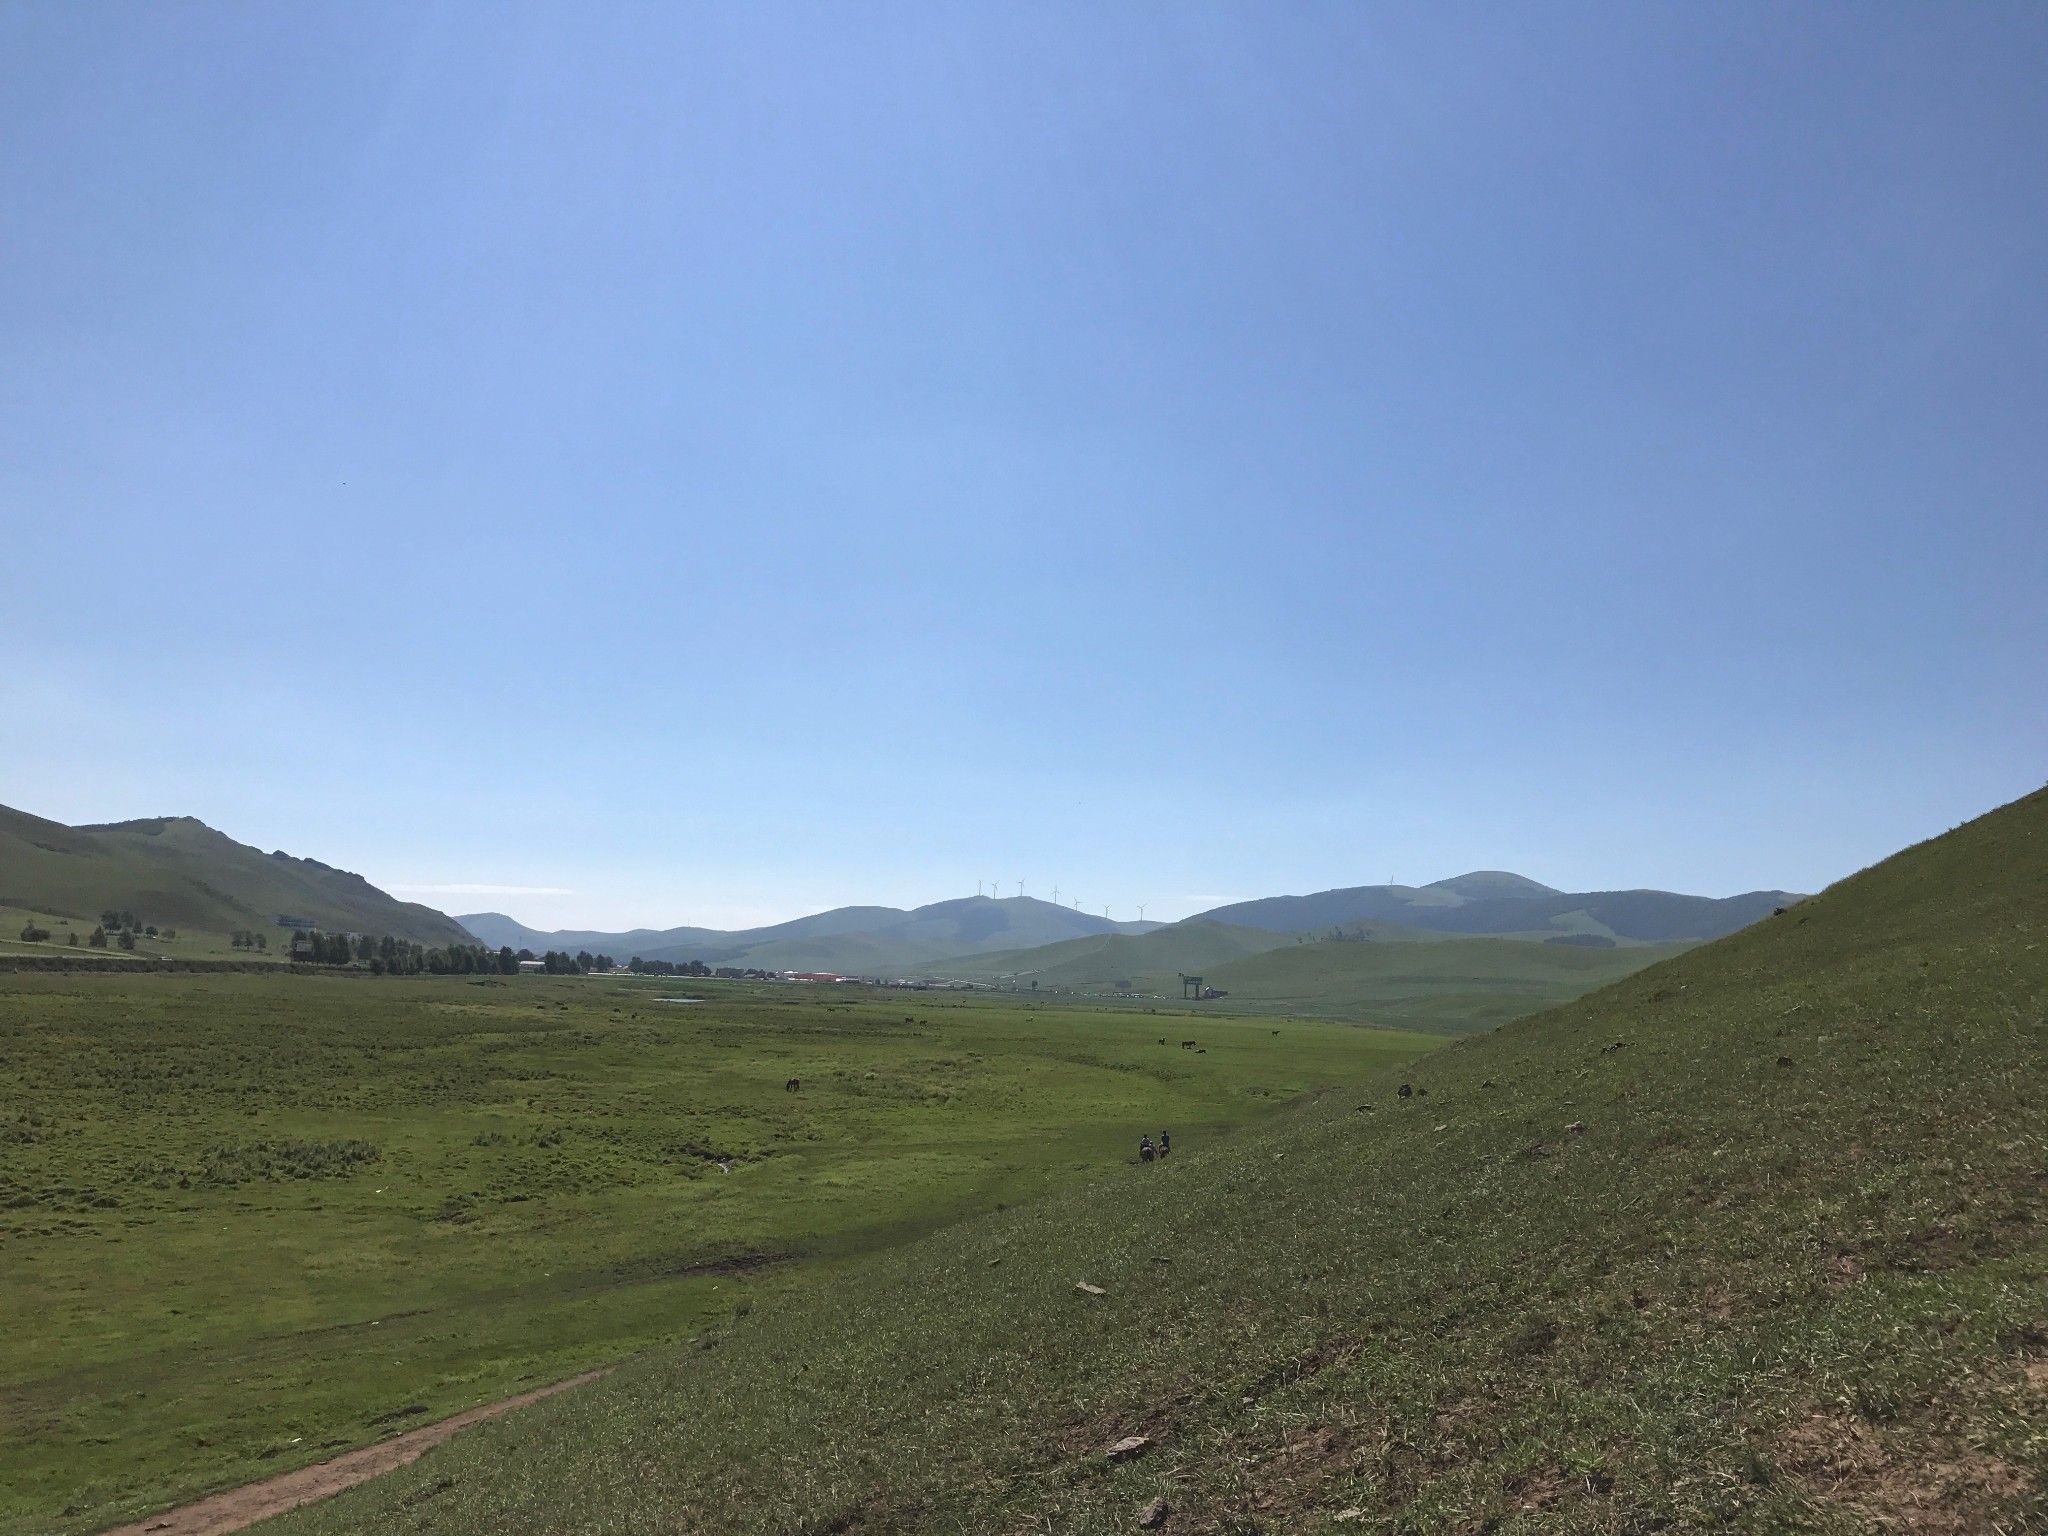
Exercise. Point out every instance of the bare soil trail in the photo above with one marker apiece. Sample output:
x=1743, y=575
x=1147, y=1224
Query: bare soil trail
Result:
x=220, y=1513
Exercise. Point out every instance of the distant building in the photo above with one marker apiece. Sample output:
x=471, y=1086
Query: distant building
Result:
x=536, y=967
x=286, y=920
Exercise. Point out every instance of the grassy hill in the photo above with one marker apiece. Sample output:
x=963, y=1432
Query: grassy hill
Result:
x=1101, y=960
x=180, y=872
x=1452, y=984
x=1755, y=1240
x=1385, y=972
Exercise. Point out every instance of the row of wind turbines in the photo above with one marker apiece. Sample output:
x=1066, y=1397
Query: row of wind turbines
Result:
x=994, y=890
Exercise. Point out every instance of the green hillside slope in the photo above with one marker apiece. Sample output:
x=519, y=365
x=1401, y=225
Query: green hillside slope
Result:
x=180, y=872
x=1450, y=984
x=1102, y=960
x=1385, y=972
x=1752, y=1241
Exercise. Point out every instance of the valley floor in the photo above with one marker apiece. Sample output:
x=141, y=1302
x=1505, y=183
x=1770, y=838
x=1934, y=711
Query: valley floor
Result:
x=257, y=1220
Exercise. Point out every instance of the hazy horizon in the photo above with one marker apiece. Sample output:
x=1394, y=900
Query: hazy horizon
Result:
x=694, y=465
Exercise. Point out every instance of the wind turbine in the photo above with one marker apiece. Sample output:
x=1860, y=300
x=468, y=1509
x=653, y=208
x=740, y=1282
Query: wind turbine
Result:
x=1020, y=887
x=1141, y=911
x=1055, y=895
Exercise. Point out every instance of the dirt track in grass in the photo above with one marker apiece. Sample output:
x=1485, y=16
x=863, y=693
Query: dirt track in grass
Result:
x=239, y=1507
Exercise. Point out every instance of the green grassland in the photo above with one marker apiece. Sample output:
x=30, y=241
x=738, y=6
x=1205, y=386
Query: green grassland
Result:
x=1755, y=1240
x=1383, y=972
x=248, y=1220
x=188, y=944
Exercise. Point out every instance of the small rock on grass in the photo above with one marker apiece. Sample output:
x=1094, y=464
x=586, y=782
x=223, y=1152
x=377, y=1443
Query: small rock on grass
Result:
x=1353, y=1513
x=1128, y=1447
x=1089, y=1290
x=1152, y=1516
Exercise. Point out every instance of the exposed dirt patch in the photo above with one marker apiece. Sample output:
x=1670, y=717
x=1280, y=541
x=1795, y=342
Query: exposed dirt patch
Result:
x=1933, y=1488
x=1536, y=1490
x=238, y=1507
x=1843, y=1270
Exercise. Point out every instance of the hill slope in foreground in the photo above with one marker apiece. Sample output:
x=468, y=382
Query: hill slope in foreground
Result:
x=1791, y=1274
x=177, y=870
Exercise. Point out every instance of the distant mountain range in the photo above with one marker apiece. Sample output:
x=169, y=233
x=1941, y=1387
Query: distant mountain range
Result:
x=176, y=871
x=860, y=941
x=980, y=935
x=1494, y=901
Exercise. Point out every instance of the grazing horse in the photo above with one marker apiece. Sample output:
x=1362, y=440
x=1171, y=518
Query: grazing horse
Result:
x=1187, y=1045
x=792, y=1085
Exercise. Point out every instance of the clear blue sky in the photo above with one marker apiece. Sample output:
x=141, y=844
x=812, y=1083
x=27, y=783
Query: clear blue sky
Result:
x=710, y=462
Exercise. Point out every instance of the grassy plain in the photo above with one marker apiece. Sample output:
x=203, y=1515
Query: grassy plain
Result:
x=247, y=1220
x=1755, y=1240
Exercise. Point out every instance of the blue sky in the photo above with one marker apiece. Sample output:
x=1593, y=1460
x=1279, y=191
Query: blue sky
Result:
x=705, y=463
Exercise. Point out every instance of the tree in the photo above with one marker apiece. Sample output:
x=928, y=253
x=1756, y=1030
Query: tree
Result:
x=127, y=938
x=31, y=934
x=98, y=939
x=261, y=942
x=508, y=963
x=71, y=937
x=150, y=930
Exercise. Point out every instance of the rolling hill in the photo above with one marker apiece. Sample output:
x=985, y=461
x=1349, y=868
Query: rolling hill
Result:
x=178, y=871
x=867, y=941
x=1100, y=961
x=1494, y=901
x=1386, y=973
x=1756, y=1239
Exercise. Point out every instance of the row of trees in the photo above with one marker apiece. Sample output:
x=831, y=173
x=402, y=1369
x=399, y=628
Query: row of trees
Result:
x=245, y=938
x=33, y=933
x=559, y=962
x=392, y=956
x=641, y=967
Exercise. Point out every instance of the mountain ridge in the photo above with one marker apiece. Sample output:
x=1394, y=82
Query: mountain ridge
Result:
x=864, y=940
x=178, y=871
x=1474, y=903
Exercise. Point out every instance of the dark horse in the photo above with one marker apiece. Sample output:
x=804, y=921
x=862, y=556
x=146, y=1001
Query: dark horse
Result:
x=791, y=1086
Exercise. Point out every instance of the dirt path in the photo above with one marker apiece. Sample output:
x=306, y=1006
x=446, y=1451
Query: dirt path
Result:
x=237, y=1507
